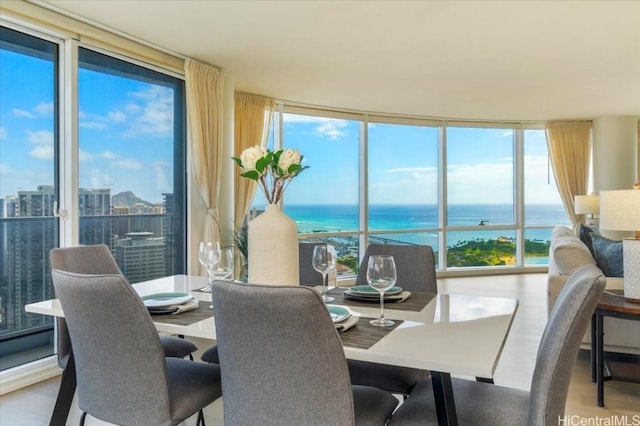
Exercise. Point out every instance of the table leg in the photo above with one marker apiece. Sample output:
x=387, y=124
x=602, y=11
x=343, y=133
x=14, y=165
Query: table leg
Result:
x=593, y=348
x=65, y=394
x=443, y=395
x=600, y=359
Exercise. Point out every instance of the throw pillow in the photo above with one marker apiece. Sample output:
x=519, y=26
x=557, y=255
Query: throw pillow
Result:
x=608, y=255
x=585, y=236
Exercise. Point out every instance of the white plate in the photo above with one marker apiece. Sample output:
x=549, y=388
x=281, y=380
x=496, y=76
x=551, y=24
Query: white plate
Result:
x=365, y=290
x=159, y=300
x=338, y=313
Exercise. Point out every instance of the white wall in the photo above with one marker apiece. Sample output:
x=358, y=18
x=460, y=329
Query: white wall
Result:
x=615, y=152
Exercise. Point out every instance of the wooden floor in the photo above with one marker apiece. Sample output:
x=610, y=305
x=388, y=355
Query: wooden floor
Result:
x=32, y=406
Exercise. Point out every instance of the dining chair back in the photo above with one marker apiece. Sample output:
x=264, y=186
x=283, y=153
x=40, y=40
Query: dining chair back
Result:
x=415, y=266
x=138, y=385
x=481, y=403
x=416, y=271
x=98, y=260
x=93, y=259
x=560, y=344
x=282, y=361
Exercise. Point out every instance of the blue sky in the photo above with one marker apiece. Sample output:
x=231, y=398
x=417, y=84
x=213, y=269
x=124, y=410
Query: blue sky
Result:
x=125, y=144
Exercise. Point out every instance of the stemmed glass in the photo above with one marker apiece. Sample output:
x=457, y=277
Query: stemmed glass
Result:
x=324, y=260
x=381, y=275
x=203, y=257
x=219, y=265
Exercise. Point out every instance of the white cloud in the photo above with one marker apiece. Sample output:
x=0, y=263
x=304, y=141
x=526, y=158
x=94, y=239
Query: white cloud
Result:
x=85, y=156
x=42, y=152
x=3, y=133
x=108, y=155
x=40, y=137
x=163, y=182
x=44, y=108
x=5, y=169
x=117, y=116
x=333, y=128
x=128, y=164
x=156, y=108
x=22, y=113
x=508, y=133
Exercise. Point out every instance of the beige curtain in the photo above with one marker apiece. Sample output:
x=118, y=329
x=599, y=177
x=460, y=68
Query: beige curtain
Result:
x=252, y=118
x=204, y=87
x=569, y=144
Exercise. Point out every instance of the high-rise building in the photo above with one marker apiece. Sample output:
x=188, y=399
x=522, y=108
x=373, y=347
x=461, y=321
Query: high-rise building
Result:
x=141, y=256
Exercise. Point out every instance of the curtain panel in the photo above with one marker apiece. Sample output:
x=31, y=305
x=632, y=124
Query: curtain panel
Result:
x=252, y=118
x=204, y=89
x=569, y=145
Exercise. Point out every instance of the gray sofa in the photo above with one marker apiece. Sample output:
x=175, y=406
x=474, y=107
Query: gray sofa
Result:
x=567, y=253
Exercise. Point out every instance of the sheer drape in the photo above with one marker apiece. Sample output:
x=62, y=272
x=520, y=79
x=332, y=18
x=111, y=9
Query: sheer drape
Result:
x=252, y=117
x=204, y=89
x=569, y=144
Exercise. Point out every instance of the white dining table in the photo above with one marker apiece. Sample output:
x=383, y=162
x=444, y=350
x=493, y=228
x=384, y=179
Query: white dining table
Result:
x=453, y=334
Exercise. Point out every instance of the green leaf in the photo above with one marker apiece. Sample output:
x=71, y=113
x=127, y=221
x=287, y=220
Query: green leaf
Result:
x=262, y=164
x=237, y=160
x=251, y=174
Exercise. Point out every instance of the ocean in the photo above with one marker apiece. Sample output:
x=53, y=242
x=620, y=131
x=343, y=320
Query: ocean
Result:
x=344, y=218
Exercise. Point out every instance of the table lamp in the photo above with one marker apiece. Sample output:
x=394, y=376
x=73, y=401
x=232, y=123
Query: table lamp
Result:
x=589, y=205
x=620, y=211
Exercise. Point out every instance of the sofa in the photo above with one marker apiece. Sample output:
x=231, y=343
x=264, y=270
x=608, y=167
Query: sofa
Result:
x=567, y=253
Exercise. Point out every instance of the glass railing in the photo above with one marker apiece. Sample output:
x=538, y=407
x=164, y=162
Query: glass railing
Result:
x=143, y=245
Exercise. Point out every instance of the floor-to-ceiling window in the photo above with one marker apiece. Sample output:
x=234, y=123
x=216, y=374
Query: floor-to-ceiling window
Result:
x=323, y=200
x=125, y=166
x=28, y=189
x=131, y=164
x=480, y=213
x=543, y=207
x=481, y=194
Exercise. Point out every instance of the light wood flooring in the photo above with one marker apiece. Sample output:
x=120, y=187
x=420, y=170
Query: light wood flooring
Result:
x=32, y=406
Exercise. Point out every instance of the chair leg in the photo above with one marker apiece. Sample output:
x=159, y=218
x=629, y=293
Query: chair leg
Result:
x=200, y=419
x=82, y=417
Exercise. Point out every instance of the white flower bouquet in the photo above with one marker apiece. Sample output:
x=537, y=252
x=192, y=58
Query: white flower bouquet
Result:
x=273, y=170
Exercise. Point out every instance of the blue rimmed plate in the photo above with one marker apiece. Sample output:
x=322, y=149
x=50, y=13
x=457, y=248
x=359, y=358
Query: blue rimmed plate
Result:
x=159, y=300
x=338, y=313
x=365, y=290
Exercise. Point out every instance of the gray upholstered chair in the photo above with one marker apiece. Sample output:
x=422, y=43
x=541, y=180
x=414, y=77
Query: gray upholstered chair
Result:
x=416, y=271
x=97, y=259
x=308, y=277
x=135, y=384
x=480, y=403
x=282, y=361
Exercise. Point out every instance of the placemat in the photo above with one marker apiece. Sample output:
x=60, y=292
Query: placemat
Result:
x=364, y=335
x=415, y=303
x=186, y=318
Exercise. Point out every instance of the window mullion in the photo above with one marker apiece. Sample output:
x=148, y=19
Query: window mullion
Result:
x=68, y=145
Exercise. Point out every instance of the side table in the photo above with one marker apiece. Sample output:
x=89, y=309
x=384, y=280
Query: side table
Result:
x=612, y=304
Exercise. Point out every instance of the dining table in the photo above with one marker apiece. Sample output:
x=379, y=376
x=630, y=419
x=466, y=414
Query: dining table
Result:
x=447, y=334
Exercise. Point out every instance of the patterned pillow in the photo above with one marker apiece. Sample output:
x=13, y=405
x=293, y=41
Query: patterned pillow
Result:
x=608, y=255
x=585, y=236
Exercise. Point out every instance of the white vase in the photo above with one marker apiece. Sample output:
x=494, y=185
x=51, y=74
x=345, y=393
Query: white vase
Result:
x=273, y=248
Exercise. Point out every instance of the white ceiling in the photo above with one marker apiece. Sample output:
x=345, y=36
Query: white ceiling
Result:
x=503, y=60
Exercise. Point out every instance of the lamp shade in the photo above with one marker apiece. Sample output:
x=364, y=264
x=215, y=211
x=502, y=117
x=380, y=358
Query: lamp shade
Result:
x=620, y=210
x=587, y=204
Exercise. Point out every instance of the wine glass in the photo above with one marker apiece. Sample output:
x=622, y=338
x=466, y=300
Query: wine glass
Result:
x=381, y=275
x=219, y=265
x=324, y=260
x=203, y=257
